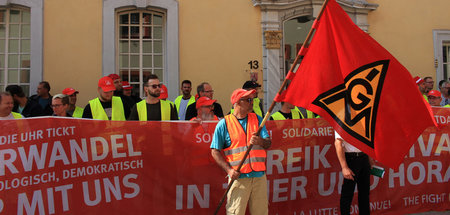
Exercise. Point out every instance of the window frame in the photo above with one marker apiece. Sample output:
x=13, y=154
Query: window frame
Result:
x=141, y=39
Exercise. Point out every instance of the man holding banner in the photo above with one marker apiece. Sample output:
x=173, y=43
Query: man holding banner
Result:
x=233, y=135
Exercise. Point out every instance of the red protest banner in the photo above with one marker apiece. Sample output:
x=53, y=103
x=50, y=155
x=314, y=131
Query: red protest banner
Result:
x=55, y=165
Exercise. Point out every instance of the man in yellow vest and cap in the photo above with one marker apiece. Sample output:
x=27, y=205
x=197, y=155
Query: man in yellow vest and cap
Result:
x=183, y=101
x=6, y=106
x=75, y=111
x=106, y=106
x=232, y=136
x=153, y=108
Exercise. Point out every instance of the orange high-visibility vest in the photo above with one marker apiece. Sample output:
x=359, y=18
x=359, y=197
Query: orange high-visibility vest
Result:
x=240, y=139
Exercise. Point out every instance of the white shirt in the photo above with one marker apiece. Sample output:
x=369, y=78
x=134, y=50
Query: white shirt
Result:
x=10, y=116
x=347, y=146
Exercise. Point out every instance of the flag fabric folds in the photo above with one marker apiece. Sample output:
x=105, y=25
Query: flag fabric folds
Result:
x=360, y=89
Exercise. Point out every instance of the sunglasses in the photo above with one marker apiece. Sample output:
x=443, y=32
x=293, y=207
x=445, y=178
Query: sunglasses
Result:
x=154, y=86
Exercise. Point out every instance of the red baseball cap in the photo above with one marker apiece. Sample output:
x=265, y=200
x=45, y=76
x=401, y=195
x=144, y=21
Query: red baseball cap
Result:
x=114, y=76
x=164, y=94
x=418, y=80
x=69, y=91
x=204, y=101
x=434, y=93
x=239, y=93
x=126, y=85
x=107, y=84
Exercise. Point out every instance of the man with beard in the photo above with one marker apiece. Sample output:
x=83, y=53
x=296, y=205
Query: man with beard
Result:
x=205, y=109
x=183, y=101
x=153, y=108
x=106, y=106
x=204, y=89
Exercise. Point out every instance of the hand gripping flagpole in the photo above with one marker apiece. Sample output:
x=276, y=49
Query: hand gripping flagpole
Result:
x=300, y=54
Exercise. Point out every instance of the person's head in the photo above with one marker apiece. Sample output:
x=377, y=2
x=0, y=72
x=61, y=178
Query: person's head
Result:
x=16, y=92
x=242, y=100
x=72, y=93
x=444, y=87
x=126, y=88
x=186, y=87
x=205, y=108
x=60, y=104
x=152, y=86
x=287, y=105
x=164, y=94
x=106, y=89
x=421, y=84
x=117, y=81
x=205, y=89
x=429, y=83
x=6, y=104
x=43, y=89
x=434, y=98
x=252, y=85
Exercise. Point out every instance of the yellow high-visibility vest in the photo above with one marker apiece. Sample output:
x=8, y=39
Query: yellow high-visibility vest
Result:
x=279, y=116
x=118, y=113
x=78, y=112
x=17, y=115
x=142, y=110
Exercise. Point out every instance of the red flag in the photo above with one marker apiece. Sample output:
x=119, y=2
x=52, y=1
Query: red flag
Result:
x=360, y=89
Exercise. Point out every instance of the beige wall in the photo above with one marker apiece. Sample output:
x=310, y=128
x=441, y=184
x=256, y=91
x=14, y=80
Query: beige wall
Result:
x=404, y=28
x=72, y=46
x=217, y=40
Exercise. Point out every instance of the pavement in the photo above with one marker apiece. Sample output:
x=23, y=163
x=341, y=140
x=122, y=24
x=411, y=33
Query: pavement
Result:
x=433, y=213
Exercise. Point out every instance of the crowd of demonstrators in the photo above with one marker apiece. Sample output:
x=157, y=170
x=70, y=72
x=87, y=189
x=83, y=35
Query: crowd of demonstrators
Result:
x=204, y=89
x=153, y=108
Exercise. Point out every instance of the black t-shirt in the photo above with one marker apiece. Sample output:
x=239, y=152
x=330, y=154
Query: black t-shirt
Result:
x=191, y=111
x=107, y=106
x=31, y=109
x=153, y=112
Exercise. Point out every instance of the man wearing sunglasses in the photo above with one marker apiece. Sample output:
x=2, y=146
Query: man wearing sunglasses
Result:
x=233, y=135
x=153, y=108
x=204, y=89
x=106, y=106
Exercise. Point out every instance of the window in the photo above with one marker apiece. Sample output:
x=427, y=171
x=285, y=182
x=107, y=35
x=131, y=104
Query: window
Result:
x=15, y=47
x=140, y=46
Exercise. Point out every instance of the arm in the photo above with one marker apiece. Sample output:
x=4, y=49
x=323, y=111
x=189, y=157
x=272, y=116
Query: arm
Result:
x=263, y=142
x=346, y=171
x=220, y=160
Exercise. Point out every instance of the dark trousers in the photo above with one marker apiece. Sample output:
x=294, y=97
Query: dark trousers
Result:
x=359, y=164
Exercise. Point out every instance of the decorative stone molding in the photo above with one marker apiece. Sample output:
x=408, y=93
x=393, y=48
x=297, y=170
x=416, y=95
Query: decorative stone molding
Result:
x=275, y=12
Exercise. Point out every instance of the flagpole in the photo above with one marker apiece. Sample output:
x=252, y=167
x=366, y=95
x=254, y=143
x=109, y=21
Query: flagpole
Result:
x=272, y=106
